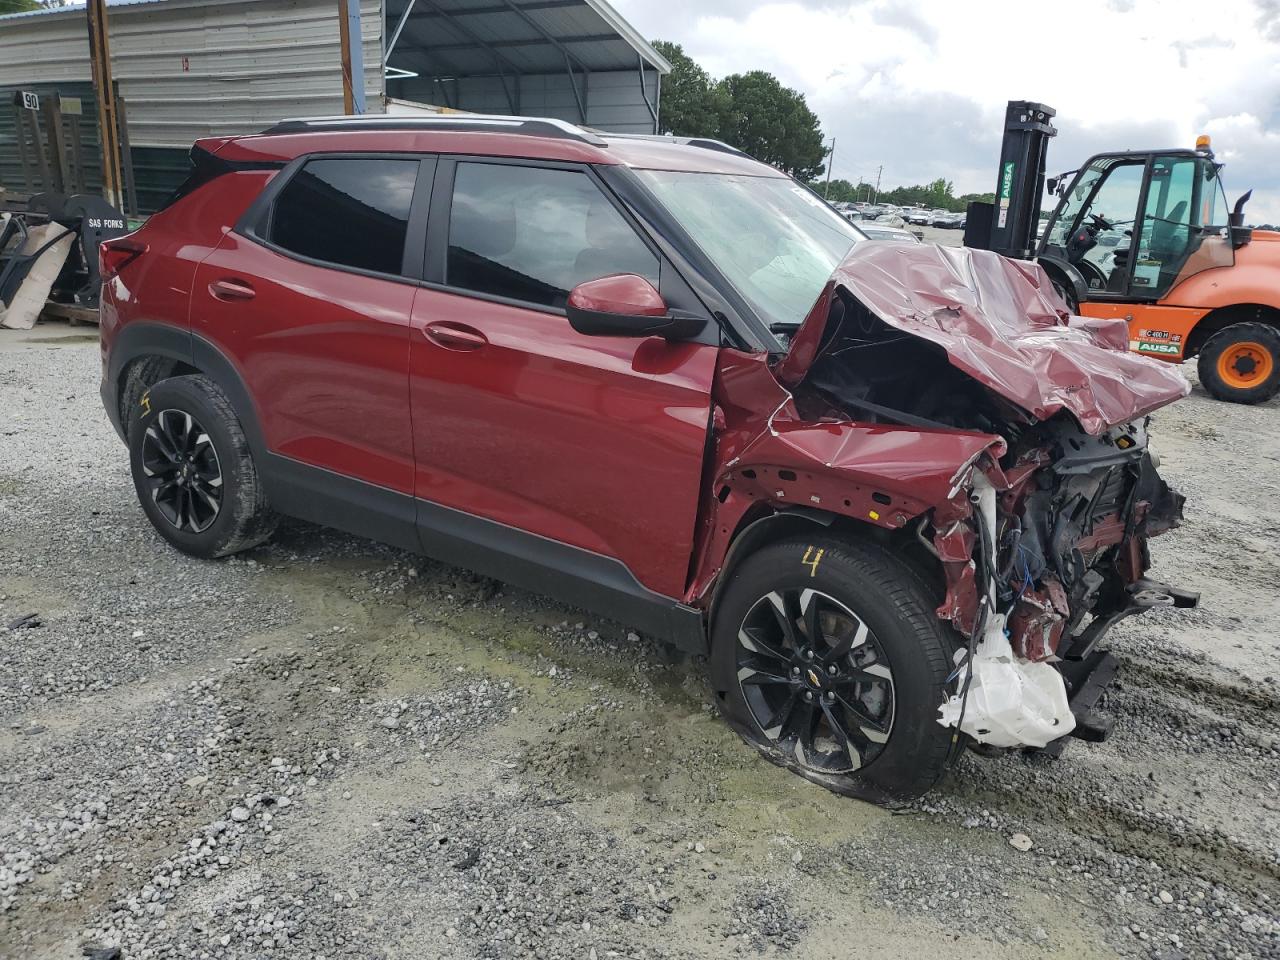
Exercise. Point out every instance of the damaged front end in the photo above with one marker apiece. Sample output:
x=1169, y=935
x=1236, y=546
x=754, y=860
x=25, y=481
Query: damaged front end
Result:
x=947, y=397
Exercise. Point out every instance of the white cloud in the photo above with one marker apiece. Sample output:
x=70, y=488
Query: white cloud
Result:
x=920, y=85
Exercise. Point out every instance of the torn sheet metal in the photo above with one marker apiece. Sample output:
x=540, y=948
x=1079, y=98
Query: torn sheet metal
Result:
x=1001, y=323
x=1009, y=702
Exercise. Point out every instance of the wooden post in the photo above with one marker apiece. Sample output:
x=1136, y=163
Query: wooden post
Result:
x=104, y=89
x=57, y=144
x=344, y=35
x=352, y=47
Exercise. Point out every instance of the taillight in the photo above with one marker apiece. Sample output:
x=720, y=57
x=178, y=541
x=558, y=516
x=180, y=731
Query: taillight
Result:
x=115, y=255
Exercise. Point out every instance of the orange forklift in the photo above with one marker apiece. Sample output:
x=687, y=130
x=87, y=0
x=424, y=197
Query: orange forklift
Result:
x=1145, y=236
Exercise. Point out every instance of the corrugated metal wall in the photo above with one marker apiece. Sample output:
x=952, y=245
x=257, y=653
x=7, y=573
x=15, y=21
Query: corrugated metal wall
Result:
x=615, y=101
x=12, y=176
x=196, y=68
x=188, y=69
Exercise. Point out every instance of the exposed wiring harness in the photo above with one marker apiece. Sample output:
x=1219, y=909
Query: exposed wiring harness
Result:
x=986, y=557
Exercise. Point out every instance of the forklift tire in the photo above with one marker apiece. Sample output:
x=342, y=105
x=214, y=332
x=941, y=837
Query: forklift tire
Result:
x=1241, y=363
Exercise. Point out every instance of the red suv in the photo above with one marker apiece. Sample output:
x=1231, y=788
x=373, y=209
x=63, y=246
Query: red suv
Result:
x=895, y=494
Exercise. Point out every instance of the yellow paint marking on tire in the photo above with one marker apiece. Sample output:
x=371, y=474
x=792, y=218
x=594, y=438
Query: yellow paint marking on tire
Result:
x=812, y=559
x=146, y=403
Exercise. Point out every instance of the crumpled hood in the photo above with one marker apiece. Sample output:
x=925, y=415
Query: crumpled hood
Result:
x=1001, y=322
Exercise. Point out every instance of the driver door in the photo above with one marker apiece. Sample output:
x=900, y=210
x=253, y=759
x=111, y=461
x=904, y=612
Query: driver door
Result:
x=1179, y=204
x=1093, y=230
x=593, y=443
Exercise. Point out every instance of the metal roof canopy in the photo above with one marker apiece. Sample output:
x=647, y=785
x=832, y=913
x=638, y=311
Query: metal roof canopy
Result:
x=509, y=39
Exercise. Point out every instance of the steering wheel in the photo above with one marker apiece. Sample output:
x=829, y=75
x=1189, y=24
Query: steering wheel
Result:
x=1102, y=223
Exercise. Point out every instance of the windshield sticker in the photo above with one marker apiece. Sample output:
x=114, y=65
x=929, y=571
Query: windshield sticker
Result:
x=807, y=197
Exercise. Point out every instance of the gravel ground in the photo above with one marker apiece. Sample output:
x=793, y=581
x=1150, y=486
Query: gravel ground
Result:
x=328, y=748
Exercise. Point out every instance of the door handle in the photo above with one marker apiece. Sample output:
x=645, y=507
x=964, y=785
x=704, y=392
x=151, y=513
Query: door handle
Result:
x=454, y=336
x=232, y=290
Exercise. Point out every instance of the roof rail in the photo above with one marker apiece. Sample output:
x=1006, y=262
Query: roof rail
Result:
x=706, y=143
x=529, y=126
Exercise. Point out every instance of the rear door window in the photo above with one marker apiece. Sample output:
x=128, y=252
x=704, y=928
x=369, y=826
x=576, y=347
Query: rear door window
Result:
x=351, y=212
x=534, y=233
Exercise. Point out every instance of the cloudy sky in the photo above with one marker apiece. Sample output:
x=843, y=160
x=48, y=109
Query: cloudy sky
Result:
x=920, y=85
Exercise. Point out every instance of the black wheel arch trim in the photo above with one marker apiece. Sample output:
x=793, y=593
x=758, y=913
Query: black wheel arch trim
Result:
x=756, y=534
x=134, y=341
x=143, y=339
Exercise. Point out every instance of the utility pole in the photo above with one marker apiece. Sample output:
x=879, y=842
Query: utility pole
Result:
x=352, y=56
x=831, y=159
x=876, y=195
x=104, y=90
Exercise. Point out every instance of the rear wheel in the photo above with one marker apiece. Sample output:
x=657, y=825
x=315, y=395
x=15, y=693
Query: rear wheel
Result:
x=193, y=470
x=1241, y=363
x=828, y=658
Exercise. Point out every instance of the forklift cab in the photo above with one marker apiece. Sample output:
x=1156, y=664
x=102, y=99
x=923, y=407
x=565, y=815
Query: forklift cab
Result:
x=1132, y=225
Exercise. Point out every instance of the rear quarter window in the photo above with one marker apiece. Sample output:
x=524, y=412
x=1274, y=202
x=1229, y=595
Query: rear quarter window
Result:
x=351, y=212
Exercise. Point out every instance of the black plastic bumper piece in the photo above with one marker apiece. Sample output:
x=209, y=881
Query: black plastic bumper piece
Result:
x=1142, y=595
x=1086, y=681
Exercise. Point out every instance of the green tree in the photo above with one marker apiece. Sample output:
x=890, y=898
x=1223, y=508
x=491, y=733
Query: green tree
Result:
x=691, y=104
x=772, y=123
x=18, y=6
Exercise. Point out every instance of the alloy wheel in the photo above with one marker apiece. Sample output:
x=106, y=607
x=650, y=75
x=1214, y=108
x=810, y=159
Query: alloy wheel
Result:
x=182, y=471
x=816, y=680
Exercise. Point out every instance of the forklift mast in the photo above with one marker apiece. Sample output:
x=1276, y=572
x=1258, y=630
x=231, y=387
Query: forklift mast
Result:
x=1009, y=225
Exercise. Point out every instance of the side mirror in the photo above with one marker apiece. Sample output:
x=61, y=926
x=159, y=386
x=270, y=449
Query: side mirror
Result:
x=626, y=305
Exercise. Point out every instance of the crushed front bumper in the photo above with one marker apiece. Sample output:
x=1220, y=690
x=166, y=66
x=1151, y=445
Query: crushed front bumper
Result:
x=1088, y=671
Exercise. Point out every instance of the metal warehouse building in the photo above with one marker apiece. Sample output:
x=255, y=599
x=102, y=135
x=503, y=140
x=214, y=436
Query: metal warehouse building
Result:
x=192, y=68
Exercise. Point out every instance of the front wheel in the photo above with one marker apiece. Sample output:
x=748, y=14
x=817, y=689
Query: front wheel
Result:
x=828, y=658
x=1241, y=363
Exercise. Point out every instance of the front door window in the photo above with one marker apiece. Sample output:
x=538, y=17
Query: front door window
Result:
x=1094, y=225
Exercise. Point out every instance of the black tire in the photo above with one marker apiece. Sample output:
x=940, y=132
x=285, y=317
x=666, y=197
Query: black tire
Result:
x=1260, y=361
x=193, y=470
x=901, y=625
x=1067, y=293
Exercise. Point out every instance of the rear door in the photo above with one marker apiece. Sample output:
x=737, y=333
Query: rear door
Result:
x=594, y=442
x=311, y=304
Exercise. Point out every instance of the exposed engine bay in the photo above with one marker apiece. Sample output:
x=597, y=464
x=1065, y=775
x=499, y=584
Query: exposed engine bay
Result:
x=1043, y=543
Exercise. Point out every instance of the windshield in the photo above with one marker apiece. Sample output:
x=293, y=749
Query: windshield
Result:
x=774, y=240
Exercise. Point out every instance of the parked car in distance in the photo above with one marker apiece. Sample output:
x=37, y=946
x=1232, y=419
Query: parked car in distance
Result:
x=917, y=217
x=548, y=355
x=879, y=231
x=891, y=220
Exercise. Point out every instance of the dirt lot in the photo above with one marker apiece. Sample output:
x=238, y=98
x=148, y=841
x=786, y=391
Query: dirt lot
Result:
x=328, y=748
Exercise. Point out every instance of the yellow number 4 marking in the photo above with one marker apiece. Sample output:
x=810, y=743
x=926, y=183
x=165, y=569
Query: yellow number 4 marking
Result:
x=812, y=559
